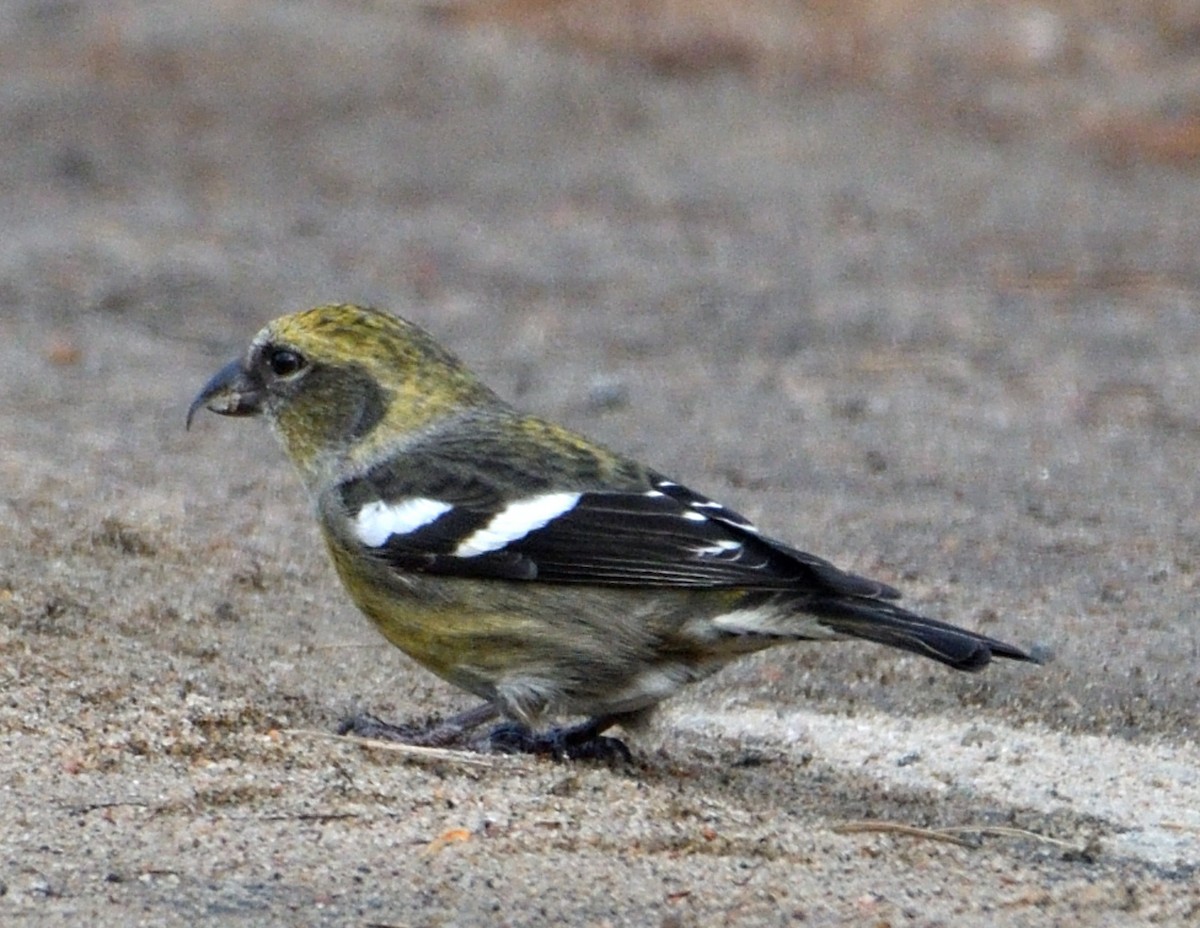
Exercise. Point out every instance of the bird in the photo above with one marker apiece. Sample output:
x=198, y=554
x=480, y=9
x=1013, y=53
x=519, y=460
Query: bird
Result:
x=522, y=562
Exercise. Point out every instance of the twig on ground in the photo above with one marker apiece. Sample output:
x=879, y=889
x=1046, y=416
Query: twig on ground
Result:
x=413, y=751
x=951, y=834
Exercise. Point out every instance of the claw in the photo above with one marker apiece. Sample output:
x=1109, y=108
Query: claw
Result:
x=581, y=742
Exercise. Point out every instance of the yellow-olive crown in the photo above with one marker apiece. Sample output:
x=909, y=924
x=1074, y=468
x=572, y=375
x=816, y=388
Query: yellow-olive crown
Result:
x=336, y=376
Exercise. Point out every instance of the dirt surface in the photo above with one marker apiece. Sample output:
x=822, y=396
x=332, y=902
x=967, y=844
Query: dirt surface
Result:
x=922, y=301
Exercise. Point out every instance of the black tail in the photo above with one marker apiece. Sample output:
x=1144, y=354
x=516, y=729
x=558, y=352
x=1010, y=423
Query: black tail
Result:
x=885, y=623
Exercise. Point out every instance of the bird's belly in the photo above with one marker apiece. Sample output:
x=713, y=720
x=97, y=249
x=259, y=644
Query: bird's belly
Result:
x=538, y=648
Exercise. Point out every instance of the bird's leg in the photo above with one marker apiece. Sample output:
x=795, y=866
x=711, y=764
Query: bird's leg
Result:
x=585, y=741
x=438, y=734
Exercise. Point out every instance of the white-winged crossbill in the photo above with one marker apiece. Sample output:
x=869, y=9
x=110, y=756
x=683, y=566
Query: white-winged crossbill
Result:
x=521, y=561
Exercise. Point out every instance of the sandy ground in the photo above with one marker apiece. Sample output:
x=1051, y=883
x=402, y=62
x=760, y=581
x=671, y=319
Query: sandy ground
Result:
x=927, y=308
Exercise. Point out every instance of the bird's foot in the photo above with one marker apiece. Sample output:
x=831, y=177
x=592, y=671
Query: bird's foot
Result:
x=585, y=741
x=365, y=725
x=578, y=742
x=437, y=734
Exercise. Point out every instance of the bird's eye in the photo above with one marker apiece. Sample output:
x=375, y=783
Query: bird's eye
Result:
x=284, y=361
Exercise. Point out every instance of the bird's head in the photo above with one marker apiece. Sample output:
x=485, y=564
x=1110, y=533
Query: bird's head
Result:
x=327, y=378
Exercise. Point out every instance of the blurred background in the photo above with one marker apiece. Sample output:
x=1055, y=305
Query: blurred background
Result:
x=911, y=283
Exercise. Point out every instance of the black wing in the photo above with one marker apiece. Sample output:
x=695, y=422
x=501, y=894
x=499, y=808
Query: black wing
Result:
x=657, y=534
